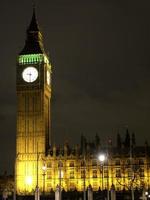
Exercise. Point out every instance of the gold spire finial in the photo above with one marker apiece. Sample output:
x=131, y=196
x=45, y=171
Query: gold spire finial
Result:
x=33, y=5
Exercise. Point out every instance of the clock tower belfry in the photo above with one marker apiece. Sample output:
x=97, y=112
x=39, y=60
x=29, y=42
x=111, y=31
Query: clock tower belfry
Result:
x=33, y=84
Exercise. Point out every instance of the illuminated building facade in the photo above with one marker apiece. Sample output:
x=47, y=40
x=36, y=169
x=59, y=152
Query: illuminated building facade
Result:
x=38, y=163
x=124, y=167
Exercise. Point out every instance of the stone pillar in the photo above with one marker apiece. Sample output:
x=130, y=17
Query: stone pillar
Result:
x=113, y=192
x=5, y=194
x=54, y=150
x=57, y=193
x=90, y=193
x=37, y=193
x=144, y=194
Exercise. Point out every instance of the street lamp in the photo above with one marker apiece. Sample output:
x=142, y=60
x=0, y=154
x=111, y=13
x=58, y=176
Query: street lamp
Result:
x=44, y=168
x=37, y=191
x=146, y=195
x=84, y=186
x=102, y=159
x=60, y=177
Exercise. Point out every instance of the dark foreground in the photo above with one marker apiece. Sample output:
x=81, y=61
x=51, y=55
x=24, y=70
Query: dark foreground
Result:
x=75, y=195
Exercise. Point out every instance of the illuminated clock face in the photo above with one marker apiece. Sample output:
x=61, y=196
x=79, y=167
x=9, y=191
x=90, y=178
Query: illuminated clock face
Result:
x=30, y=74
x=48, y=78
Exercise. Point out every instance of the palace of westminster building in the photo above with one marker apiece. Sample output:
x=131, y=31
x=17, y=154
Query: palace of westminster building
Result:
x=40, y=163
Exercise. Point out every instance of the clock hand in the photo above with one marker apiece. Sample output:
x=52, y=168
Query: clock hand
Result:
x=29, y=74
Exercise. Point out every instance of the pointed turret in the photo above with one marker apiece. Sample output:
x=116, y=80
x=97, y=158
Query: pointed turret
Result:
x=34, y=40
x=33, y=24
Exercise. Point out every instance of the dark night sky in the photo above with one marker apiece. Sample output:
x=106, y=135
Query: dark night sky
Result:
x=100, y=53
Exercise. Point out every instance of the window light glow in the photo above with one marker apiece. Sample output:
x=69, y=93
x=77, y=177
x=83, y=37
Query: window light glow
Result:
x=33, y=59
x=28, y=180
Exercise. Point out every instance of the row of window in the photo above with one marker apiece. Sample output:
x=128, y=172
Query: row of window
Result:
x=32, y=58
x=95, y=163
x=118, y=174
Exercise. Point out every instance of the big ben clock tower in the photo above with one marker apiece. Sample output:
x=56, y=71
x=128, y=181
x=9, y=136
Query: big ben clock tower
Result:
x=33, y=81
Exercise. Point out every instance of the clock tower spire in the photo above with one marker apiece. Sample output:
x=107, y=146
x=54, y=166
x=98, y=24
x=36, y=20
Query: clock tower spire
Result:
x=33, y=83
x=34, y=39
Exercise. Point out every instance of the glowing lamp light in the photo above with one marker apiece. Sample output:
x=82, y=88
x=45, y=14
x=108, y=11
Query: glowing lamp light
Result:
x=61, y=174
x=146, y=193
x=101, y=157
x=28, y=180
x=44, y=167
